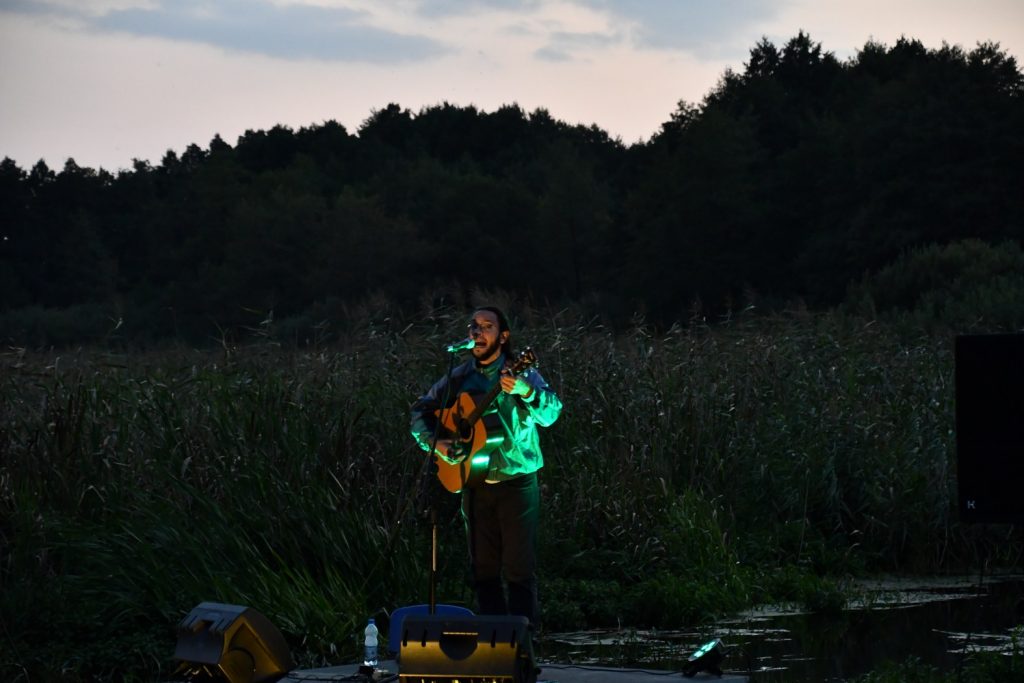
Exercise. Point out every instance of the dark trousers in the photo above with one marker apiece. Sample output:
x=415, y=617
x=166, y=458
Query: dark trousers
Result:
x=501, y=526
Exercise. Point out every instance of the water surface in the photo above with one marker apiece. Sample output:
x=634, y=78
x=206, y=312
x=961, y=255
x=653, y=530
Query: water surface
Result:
x=938, y=621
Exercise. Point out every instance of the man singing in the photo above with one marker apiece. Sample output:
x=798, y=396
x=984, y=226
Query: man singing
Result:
x=501, y=513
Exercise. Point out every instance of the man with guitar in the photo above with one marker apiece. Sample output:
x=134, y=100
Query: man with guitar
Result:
x=489, y=449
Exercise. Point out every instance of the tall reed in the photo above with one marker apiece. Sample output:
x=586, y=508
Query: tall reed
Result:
x=687, y=467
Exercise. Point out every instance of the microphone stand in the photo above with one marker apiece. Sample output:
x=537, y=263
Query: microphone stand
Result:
x=432, y=602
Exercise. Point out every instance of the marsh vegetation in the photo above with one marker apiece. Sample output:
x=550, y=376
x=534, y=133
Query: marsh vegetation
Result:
x=696, y=471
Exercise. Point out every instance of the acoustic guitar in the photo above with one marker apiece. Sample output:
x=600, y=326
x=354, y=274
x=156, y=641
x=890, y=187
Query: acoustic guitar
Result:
x=473, y=434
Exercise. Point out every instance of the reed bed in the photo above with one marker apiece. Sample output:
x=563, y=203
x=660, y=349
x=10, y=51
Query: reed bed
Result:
x=693, y=471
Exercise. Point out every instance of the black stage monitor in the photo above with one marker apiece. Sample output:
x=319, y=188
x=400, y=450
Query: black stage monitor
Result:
x=990, y=427
x=231, y=643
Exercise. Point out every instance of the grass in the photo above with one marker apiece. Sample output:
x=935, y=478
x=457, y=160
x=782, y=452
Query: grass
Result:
x=693, y=470
x=978, y=667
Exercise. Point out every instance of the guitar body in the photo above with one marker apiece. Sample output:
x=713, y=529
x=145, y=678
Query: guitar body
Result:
x=466, y=422
x=478, y=440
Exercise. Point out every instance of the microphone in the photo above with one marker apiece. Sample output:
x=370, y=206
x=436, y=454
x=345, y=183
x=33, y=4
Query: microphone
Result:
x=466, y=343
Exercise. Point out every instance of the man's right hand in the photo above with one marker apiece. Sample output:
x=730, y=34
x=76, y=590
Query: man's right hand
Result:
x=450, y=451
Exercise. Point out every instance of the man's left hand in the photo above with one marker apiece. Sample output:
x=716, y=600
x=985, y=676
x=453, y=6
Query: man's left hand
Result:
x=515, y=386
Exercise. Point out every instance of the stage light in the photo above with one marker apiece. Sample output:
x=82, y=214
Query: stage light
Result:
x=707, y=658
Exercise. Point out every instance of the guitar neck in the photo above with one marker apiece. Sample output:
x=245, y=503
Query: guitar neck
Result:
x=484, y=403
x=525, y=360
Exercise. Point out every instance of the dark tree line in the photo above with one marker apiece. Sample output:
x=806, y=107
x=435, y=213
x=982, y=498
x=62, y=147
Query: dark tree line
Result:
x=788, y=182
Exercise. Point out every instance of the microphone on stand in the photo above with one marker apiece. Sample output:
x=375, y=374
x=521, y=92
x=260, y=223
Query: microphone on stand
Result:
x=466, y=343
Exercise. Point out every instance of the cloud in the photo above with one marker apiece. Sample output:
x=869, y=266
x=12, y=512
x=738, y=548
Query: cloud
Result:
x=552, y=54
x=293, y=31
x=447, y=8
x=699, y=27
x=564, y=44
x=692, y=25
x=30, y=7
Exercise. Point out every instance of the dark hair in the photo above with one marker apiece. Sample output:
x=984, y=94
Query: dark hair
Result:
x=503, y=326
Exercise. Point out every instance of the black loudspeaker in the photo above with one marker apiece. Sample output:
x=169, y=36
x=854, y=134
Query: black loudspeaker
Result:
x=990, y=427
x=437, y=648
x=231, y=643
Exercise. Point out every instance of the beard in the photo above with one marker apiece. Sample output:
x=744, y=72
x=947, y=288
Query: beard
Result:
x=487, y=352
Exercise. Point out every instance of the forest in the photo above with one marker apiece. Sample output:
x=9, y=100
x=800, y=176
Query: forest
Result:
x=791, y=182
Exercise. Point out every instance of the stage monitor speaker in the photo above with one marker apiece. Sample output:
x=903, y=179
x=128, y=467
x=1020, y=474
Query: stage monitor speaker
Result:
x=231, y=643
x=990, y=427
x=439, y=649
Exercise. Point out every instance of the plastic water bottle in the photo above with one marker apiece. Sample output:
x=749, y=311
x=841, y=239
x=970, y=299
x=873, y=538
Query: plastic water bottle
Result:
x=370, y=644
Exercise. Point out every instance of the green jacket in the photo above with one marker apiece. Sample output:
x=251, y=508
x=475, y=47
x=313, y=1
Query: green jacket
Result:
x=520, y=452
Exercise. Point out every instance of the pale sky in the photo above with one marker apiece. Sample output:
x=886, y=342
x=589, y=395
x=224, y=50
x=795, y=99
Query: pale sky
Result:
x=109, y=81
